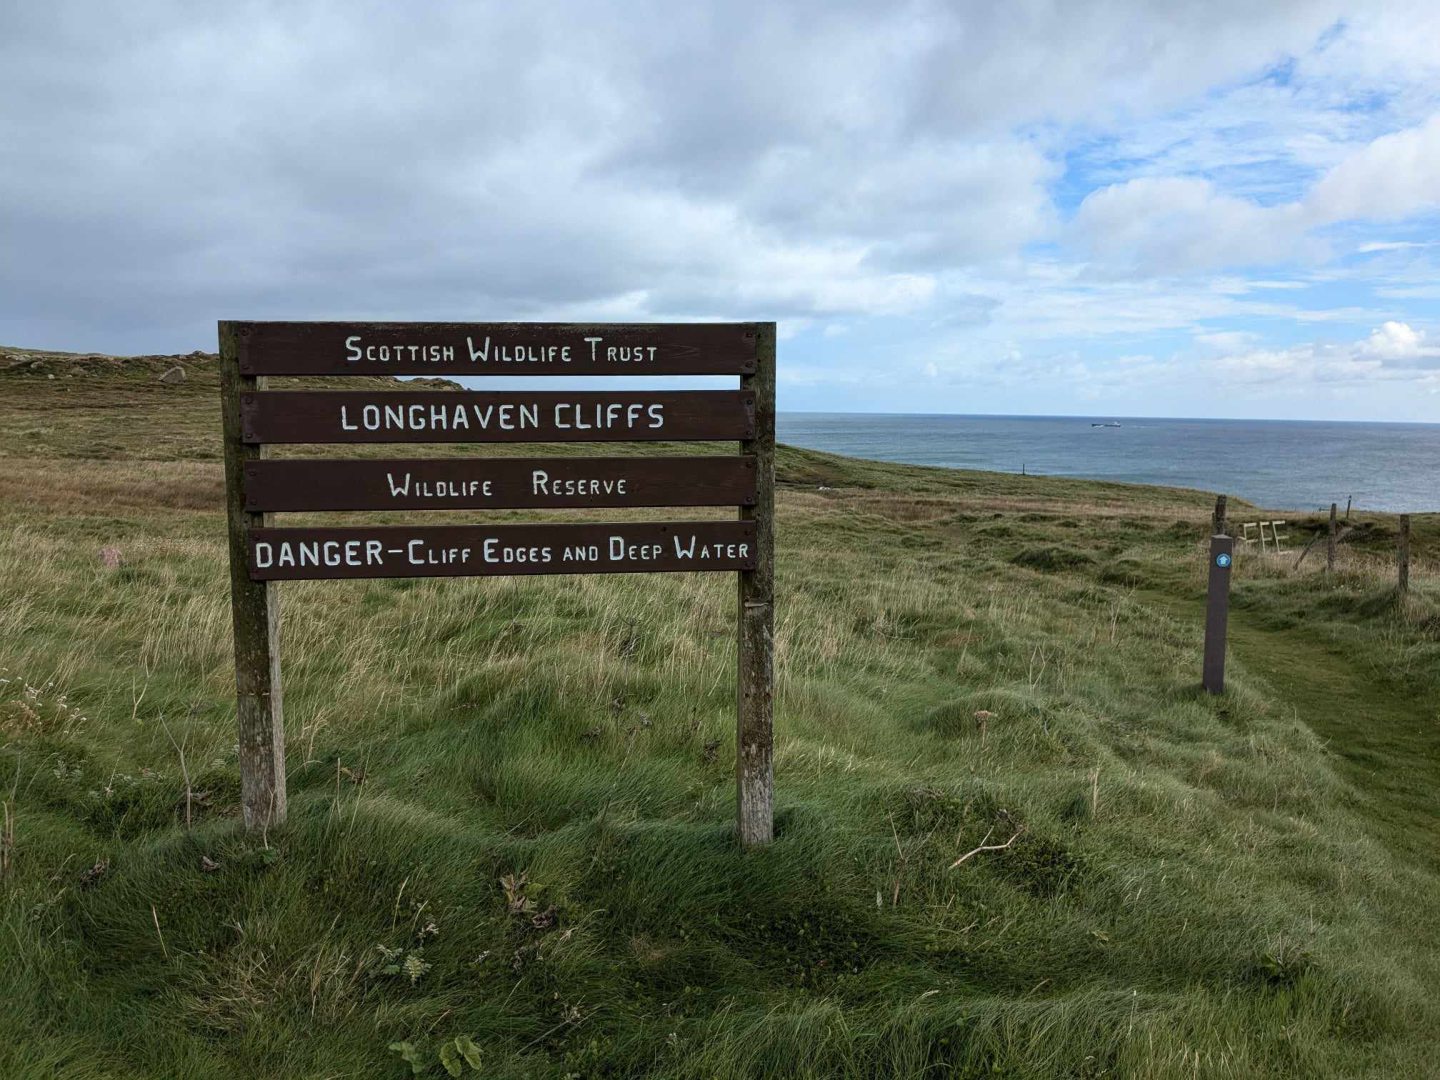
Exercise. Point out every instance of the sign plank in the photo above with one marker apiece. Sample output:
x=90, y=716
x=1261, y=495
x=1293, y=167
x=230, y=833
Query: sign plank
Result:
x=500, y=484
x=456, y=349
x=650, y=547
x=341, y=416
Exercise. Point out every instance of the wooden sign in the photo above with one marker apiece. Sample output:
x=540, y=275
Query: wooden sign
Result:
x=498, y=483
x=450, y=350
x=495, y=550
x=258, y=486
x=428, y=416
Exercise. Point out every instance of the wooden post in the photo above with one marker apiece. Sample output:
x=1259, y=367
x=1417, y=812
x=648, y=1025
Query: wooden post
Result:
x=1218, y=525
x=754, y=748
x=1403, y=558
x=256, y=610
x=1349, y=501
x=1330, y=541
x=1217, y=614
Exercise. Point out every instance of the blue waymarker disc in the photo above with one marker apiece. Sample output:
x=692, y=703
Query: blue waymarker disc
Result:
x=1222, y=561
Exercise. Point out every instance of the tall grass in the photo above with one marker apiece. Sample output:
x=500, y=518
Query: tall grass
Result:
x=512, y=801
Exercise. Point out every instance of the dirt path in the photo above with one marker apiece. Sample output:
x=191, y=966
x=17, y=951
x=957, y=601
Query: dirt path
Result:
x=1387, y=743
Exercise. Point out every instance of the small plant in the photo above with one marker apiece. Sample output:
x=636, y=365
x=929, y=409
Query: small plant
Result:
x=458, y=1053
x=1281, y=964
x=66, y=770
x=391, y=958
x=412, y=964
x=454, y=1055
x=409, y=1055
x=415, y=967
x=26, y=709
x=516, y=902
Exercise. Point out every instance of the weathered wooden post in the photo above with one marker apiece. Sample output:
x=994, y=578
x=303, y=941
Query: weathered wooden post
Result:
x=754, y=735
x=1217, y=614
x=1330, y=541
x=1218, y=525
x=1403, y=558
x=255, y=607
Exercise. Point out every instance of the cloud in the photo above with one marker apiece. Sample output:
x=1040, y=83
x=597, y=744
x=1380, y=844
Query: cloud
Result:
x=1180, y=224
x=1177, y=224
x=1394, y=176
x=1391, y=245
x=1227, y=340
x=1058, y=300
x=808, y=160
x=1393, y=351
x=1395, y=343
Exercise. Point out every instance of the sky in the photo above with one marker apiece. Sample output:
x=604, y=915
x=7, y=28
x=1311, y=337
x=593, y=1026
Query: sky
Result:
x=1117, y=208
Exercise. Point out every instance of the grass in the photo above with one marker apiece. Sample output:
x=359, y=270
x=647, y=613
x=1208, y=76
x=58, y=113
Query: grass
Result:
x=512, y=800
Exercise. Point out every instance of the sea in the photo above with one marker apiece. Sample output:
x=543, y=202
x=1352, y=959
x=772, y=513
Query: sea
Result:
x=1296, y=465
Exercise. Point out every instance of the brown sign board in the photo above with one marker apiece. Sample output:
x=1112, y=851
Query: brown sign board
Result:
x=450, y=350
x=387, y=551
x=257, y=486
x=273, y=484
x=428, y=416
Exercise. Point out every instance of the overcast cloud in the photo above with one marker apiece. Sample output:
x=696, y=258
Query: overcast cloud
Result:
x=1128, y=207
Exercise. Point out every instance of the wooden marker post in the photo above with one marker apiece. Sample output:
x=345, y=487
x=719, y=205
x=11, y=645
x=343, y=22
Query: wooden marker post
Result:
x=1218, y=524
x=1330, y=541
x=1402, y=584
x=258, y=486
x=255, y=607
x=754, y=764
x=1217, y=614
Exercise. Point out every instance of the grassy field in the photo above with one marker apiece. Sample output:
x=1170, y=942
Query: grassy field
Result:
x=510, y=848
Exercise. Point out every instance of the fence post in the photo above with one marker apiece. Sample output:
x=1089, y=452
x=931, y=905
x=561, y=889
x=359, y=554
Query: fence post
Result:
x=1218, y=524
x=1330, y=541
x=1403, y=558
x=256, y=610
x=1217, y=613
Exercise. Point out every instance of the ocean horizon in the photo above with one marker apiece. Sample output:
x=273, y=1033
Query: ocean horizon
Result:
x=1291, y=465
